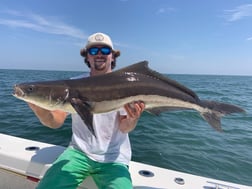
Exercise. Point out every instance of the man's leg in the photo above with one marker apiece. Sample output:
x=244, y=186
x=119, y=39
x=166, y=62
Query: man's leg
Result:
x=67, y=172
x=112, y=176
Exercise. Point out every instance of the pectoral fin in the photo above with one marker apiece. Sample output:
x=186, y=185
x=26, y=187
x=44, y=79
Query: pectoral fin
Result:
x=83, y=108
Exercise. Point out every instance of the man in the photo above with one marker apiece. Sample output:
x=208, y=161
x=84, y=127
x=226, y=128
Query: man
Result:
x=106, y=156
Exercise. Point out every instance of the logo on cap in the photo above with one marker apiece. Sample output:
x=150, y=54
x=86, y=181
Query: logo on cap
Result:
x=99, y=37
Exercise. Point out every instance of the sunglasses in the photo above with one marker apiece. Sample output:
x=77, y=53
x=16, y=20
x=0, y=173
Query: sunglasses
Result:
x=103, y=50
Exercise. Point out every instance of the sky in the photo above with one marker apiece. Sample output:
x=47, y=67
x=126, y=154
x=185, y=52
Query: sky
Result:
x=175, y=36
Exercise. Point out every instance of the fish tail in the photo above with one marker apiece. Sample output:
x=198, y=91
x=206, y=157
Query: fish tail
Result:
x=214, y=119
x=216, y=111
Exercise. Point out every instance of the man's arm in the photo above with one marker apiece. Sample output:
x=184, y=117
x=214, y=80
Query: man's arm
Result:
x=134, y=111
x=53, y=119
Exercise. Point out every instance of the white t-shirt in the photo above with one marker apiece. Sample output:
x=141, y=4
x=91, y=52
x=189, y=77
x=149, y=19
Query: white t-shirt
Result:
x=109, y=145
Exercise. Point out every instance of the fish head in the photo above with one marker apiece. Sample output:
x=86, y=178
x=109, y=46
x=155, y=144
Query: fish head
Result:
x=42, y=94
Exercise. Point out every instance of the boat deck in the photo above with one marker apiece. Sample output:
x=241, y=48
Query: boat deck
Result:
x=24, y=162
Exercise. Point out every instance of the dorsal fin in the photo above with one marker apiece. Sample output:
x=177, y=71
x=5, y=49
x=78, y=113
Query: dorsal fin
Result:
x=142, y=68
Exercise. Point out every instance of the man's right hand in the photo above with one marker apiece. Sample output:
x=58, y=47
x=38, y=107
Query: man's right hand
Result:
x=52, y=119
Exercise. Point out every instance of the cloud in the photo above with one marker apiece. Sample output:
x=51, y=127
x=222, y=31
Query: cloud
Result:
x=249, y=39
x=164, y=10
x=239, y=12
x=39, y=23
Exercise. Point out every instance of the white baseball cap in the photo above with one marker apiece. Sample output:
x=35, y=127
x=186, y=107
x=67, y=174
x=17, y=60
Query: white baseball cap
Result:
x=99, y=39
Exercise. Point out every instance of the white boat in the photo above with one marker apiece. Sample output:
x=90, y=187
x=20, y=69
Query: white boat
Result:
x=24, y=162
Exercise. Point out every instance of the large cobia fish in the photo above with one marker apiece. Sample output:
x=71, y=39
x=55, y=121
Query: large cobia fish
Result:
x=112, y=91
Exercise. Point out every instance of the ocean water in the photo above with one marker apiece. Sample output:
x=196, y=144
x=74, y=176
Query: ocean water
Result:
x=180, y=140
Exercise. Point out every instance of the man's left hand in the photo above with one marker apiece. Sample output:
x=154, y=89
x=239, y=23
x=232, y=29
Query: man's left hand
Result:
x=134, y=111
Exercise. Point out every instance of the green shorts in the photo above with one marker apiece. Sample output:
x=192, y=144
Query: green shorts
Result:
x=73, y=166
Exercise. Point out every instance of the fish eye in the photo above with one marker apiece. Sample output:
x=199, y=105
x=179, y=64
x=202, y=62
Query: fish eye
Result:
x=30, y=88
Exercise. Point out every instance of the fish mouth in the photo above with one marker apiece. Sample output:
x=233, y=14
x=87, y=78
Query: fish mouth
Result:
x=17, y=91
